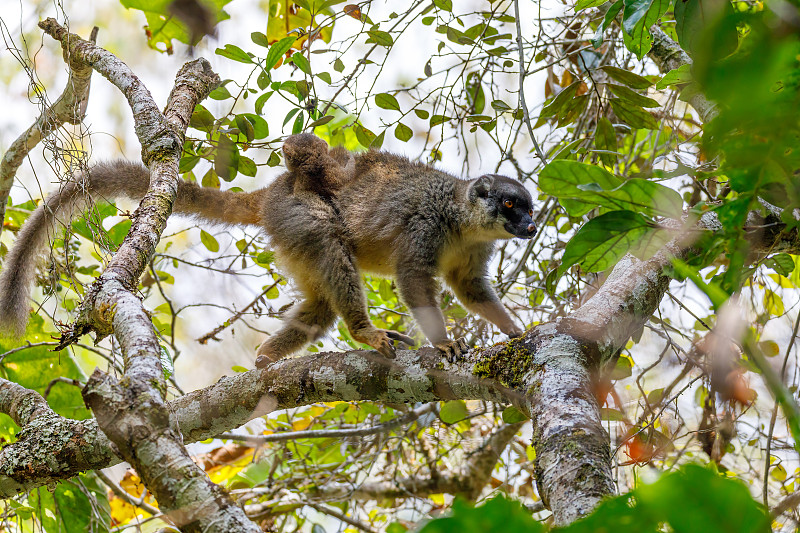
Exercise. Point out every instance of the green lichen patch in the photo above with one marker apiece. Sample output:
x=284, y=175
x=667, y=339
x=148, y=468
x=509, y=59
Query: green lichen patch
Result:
x=506, y=363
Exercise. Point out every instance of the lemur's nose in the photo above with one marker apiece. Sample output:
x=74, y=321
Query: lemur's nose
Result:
x=531, y=228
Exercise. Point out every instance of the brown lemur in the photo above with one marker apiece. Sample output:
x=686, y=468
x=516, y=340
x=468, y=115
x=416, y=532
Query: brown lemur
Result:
x=330, y=216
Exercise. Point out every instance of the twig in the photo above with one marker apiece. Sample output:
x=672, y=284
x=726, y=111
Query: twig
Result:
x=774, y=415
x=61, y=379
x=228, y=323
x=334, y=433
x=341, y=516
x=140, y=503
x=522, y=103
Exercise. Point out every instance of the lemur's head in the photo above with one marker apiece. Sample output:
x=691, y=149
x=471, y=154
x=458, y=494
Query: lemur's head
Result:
x=508, y=204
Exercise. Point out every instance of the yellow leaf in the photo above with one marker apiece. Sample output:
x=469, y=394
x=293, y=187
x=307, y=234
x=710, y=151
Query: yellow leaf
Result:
x=300, y=425
x=286, y=17
x=773, y=303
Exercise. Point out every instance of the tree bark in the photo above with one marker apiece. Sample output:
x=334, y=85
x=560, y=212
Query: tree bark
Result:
x=132, y=412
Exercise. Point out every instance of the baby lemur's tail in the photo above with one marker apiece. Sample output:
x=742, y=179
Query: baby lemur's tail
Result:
x=103, y=181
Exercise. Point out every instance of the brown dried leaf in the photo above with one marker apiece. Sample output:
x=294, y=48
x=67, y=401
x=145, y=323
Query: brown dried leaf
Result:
x=352, y=10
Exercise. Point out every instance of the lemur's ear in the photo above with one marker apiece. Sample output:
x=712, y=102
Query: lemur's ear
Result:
x=480, y=187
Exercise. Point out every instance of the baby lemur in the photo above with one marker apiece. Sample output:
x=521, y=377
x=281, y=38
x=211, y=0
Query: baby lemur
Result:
x=330, y=216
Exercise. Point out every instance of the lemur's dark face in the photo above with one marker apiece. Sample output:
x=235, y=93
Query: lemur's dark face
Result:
x=513, y=204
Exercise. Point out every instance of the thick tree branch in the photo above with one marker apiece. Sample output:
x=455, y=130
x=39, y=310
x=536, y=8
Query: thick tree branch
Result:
x=415, y=376
x=668, y=55
x=133, y=412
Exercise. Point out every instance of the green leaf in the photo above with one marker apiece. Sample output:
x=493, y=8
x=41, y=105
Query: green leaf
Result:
x=780, y=263
x=632, y=97
x=209, y=241
x=498, y=514
x=164, y=27
x=321, y=121
x=694, y=18
x=633, y=115
x=637, y=17
x=611, y=14
x=595, y=186
x=118, y=232
x=247, y=167
x=572, y=110
x=245, y=127
x=380, y=37
x=580, y=5
x=226, y=160
x=220, y=93
x=387, y=101
x=627, y=77
x=68, y=508
x=260, y=39
x=35, y=367
x=377, y=142
x=512, y=415
x=261, y=101
x=385, y=291
x=276, y=52
x=500, y=106
x=446, y=5
x=301, y=62
x=260, y=126
x=602, y=241
x=563, y=179
x=231, y=51
x=202, y=119
x=403, y=132
x=475, y=95
x=623, y=368
x=676, y=76
x=605, y=138
x=453, y=411
x=363, y=135
x=696, y=499
x=714, y=292
x=559, y=101
x=167, y=364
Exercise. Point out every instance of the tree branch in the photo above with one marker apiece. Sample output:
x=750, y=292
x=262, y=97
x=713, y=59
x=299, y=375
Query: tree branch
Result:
x=133, y=412
x=69, y=107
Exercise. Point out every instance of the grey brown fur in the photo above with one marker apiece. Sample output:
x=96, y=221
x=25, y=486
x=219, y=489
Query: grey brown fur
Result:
x=331, y=216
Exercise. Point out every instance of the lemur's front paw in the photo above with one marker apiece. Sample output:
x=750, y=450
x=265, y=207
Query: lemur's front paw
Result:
x=453, y=350
x=514, y=332
x=378, y=339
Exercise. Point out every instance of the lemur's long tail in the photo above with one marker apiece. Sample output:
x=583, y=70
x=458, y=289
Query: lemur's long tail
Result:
x=103, y=181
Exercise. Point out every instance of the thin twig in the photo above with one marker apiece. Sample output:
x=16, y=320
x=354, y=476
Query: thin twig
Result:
x=522, y=103
x=334, y=433
x=228, y=323
x=117, y=490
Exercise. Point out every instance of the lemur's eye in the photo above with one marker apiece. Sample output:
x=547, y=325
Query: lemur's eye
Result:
x=509, y=203
x=530, y=212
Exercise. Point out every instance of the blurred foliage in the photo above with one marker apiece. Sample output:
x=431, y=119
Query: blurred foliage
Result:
x=690, y=500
